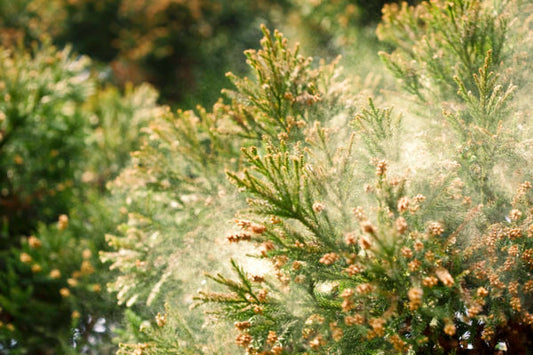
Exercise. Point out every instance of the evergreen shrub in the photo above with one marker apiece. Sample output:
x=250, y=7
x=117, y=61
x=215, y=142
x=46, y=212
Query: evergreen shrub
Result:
x=62, y=136
x=357, y=228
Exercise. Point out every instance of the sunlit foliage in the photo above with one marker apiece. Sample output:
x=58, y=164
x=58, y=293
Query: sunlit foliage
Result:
x=363, y=256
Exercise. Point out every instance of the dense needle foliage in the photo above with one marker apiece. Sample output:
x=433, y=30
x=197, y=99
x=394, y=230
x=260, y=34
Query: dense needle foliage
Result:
x=367, y=249
x=62, y=136
x=308, y=211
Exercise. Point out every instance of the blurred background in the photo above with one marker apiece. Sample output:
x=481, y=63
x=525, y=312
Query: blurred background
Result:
x=78, y=81
x=184, y=47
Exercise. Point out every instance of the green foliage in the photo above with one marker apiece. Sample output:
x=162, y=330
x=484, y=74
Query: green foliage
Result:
x=439, y=40
x=116, y=120
x=53, y=275
x=167, y=333
x=159, y=41
x=286, y=93
x=486, y=141
x=62, y=138
x=183, y=47
x=459, y=54
x=349, y=256
x=43, y=132
x=205, y=143
x=29, y=20
x=380, y=130
x=336, y=23
x=298, y=215
x=180, y=47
